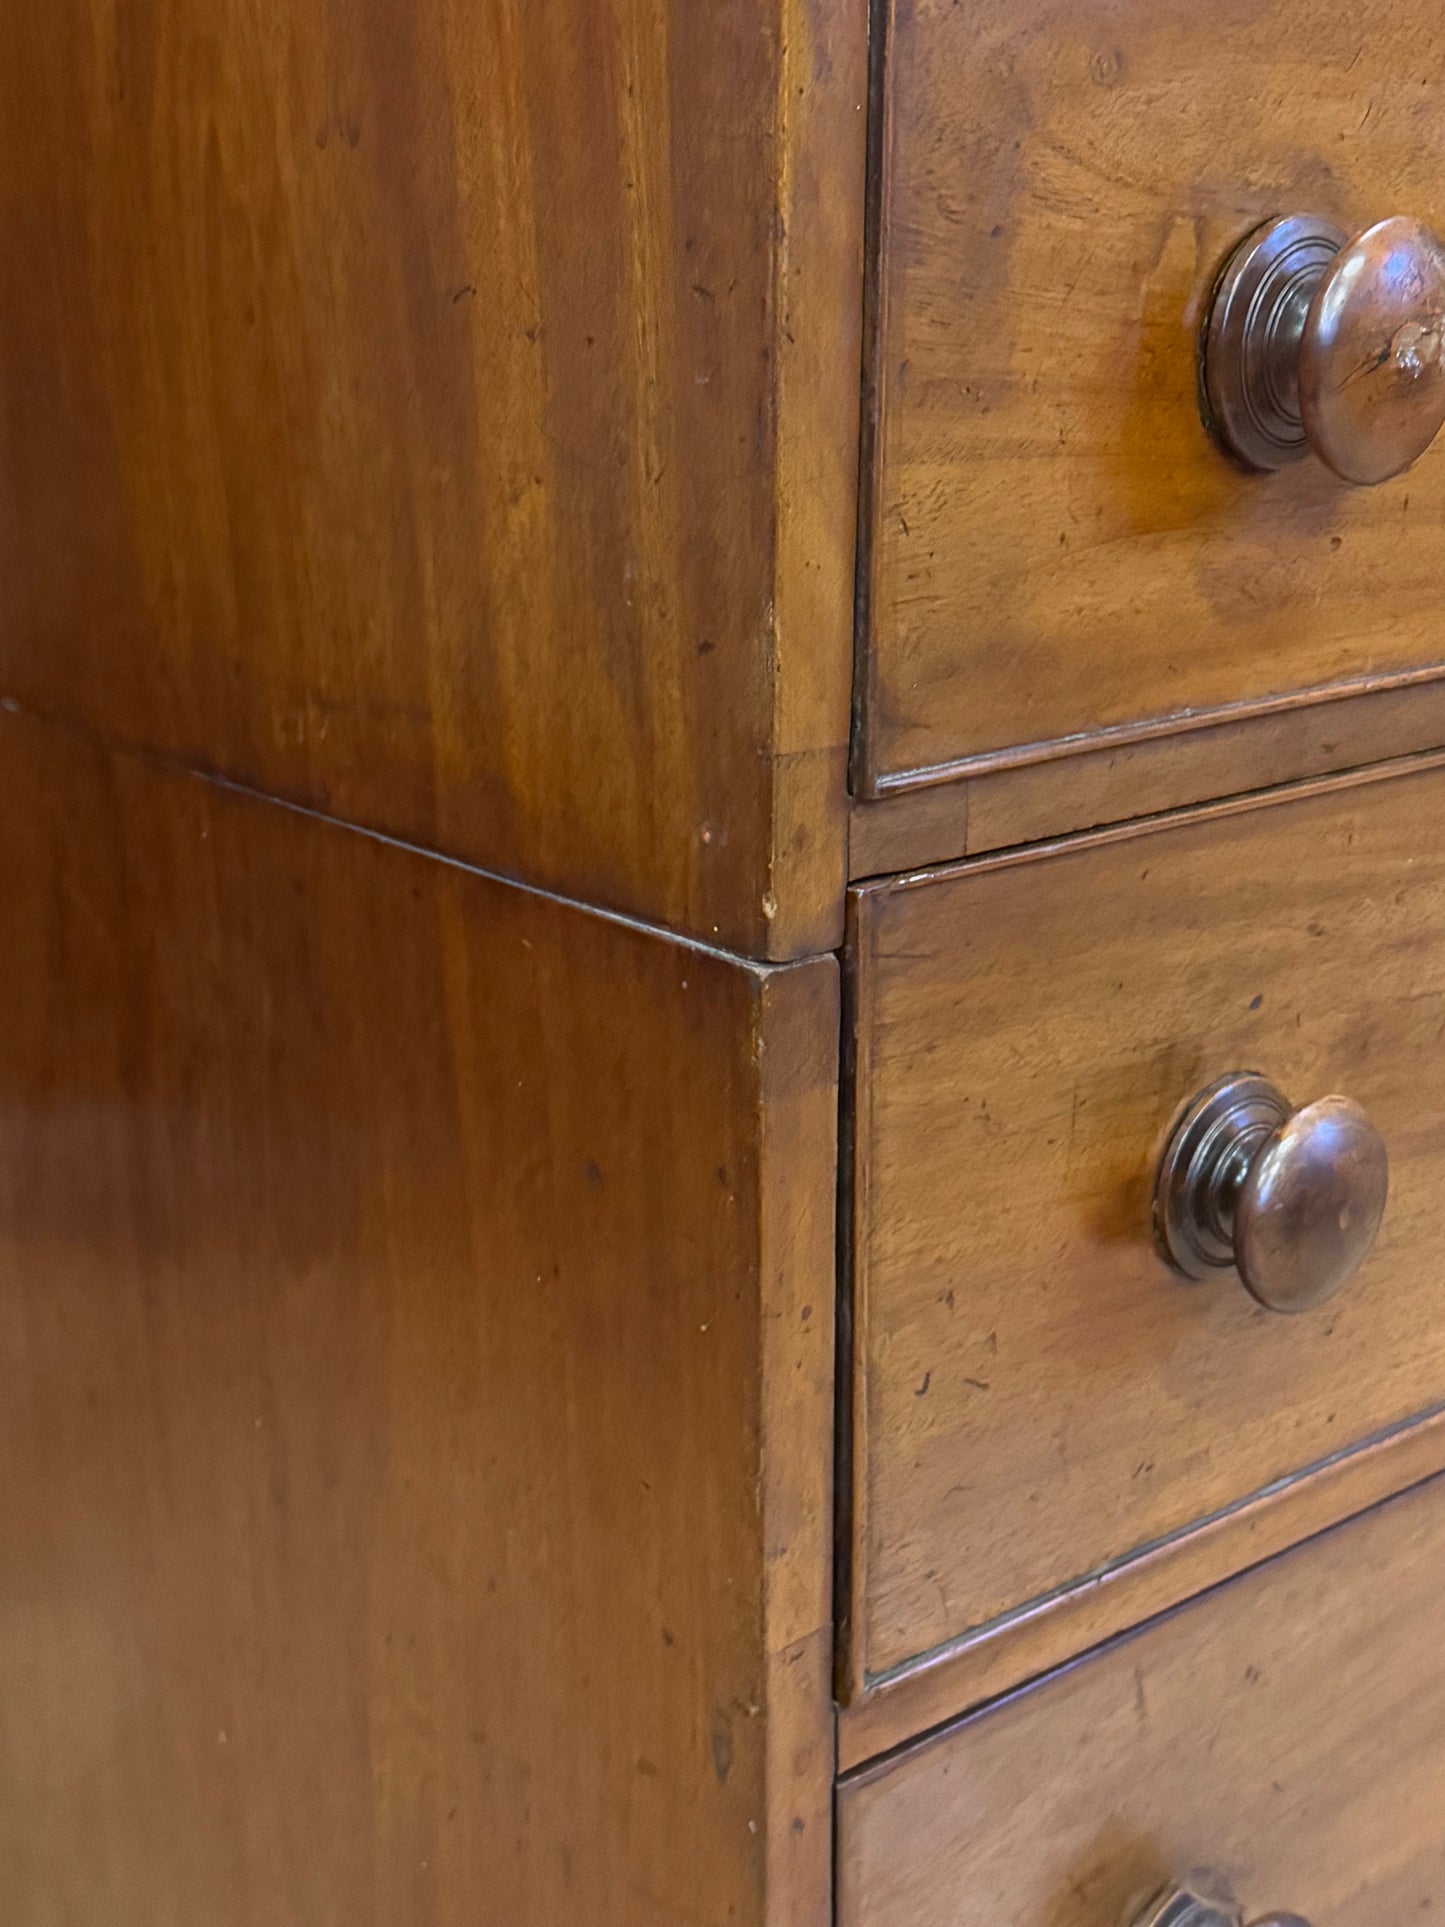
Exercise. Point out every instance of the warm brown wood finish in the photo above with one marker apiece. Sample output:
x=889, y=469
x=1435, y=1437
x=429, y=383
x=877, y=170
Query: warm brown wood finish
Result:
x=445, y=414
x=917, y=828
x=1285, y=1731
x=415, y=1300
x=972, y=1672
x=1055, y=548
x=430, y=578
x=1037, y=1399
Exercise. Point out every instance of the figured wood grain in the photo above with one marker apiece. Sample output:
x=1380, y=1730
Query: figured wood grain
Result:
x=919, y=828
x=1053, y=546
x=415, y=1322
x=1285, y=1731
x=1036, y=1398
x=444, y=414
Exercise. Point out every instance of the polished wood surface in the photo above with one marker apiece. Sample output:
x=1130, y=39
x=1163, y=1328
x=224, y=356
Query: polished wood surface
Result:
x=1036, y=1398
x=1371, y=377
x=1284, y=1731
x=1054, y=546
x=416, y=1317
x=1110, y=783
x=445, y=415
x=971, y=1672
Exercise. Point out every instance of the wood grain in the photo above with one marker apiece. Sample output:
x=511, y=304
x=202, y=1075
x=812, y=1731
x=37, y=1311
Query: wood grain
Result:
x=1036, y=1399
x=958, y=1678
x=1054, y=548
x=924, y=827
x=415, y=1324
x=445, y=415
x=1285, y=1731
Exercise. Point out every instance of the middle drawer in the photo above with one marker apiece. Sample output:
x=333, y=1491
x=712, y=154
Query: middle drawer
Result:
x=1038, y=1399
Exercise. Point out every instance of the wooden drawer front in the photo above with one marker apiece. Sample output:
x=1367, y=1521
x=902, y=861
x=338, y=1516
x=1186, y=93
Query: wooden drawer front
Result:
x=1287, y=1731
x=1037, y=1397
x=1055, y=547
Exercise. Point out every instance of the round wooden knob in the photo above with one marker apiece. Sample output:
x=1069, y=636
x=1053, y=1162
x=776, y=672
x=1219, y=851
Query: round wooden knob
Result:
x=1198, y=1903
x=1317, y=342
x=1291, y=1199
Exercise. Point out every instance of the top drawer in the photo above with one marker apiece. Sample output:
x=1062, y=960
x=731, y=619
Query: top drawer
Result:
x=1054, y=547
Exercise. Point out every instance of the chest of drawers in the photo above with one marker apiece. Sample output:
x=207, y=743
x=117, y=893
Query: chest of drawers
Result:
x=722, y=764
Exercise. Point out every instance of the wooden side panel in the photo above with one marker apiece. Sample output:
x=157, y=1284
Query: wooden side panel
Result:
x=444, y=414
x=1056, y=548
x=1038, y=1400
x=819, y=269
x=1287, y=1732
x=415, y=1329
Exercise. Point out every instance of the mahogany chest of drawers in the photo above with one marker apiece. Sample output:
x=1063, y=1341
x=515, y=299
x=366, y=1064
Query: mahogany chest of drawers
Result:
x=722, y=1184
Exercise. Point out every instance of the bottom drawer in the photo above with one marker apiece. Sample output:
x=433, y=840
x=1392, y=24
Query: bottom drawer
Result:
x=1285, y=1732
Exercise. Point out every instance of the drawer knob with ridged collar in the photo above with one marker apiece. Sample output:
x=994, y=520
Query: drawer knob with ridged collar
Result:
x=1314, y=341
x=1195, y=1904
x=1291, y=1199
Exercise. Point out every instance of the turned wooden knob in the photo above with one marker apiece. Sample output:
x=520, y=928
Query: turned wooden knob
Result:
x=1314, y=341
x=1194, y=1903
x=1292, y=1199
